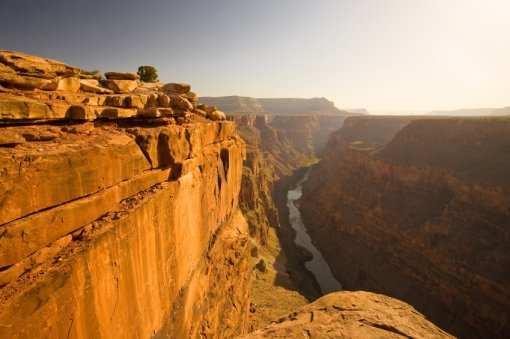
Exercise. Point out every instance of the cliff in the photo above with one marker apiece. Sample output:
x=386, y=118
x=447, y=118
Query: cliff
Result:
x=419, y=212
x=280, y=282
x=275, y=106
x=119, y=211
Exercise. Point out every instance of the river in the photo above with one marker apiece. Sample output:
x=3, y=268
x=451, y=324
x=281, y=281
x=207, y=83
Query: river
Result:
x=317, y=265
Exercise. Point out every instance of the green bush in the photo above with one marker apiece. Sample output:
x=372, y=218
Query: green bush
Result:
x=148, y=73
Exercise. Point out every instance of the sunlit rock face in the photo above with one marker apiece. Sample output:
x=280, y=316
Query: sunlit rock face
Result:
x=119, y=212
x=418, y=209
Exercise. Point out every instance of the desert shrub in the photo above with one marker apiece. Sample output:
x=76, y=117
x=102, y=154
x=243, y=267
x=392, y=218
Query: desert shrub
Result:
x=148, y=73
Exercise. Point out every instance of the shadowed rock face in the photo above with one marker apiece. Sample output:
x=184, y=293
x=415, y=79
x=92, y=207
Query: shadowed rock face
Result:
x=352, y=315
x=419, y=211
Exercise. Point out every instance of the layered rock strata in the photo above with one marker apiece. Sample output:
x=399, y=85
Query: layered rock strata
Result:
x=117, y=224
x=421, y=214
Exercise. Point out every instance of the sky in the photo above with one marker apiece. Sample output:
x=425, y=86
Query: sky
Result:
x=383, y=55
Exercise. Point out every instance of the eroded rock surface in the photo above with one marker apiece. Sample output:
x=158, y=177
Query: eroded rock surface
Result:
x=115, y=224
x=352, y=315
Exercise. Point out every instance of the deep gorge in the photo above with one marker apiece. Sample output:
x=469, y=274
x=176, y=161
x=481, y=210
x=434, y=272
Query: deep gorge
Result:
x=137, y=210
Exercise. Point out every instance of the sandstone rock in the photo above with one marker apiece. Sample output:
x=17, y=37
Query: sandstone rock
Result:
x=40, y=136
x=5, y=69
x=121, y=86
x=17, y=107
x=217, y=115
x=69, y=84
x=163, y=100
x=115, y=112
x=169, y=241
x=10, y=138
x=104, y=159
x=134, y=101
x=80, y=112
x=92, y=86
x=36, y=66
x=180, y=102
x=26, y=82
x=353, y=315
x=121, y=76
x=192, y=97
x=149, y=112
x=200, y=112
x=152, y=100
x=176, y=88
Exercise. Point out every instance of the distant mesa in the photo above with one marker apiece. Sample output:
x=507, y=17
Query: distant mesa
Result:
x=277, y=106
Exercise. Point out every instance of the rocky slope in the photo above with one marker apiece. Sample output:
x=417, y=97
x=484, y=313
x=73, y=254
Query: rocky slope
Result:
x=418, y=210
x=352, y=315
x=119, y=211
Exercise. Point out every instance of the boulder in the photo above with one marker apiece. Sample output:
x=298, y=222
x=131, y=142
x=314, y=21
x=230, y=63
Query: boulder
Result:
x=18, y=107
x=36, y=66
x=164, y=100
x=152, y=100
x=121, y=76
x=175, y=88
x=13, y=80
x=134, y=101
x=180, y=102
x=70, y=84
x=155, y=112
x=80, y=112
x=92, y=86
x=121, y=86
x=192, y=97
x=217, y=115
x=115, y=112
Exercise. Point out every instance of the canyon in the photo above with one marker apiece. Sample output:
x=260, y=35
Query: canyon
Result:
x=140, y=210
x=417, y=209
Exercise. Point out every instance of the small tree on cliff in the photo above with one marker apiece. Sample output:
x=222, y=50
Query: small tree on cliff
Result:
x=148, y=73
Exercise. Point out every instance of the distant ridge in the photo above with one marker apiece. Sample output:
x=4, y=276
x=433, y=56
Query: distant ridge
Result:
x=468, y=112
x=275, y=106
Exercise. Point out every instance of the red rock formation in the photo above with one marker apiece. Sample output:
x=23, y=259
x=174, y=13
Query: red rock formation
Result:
x=352, y=315
x=119, y=216
x=412, y=221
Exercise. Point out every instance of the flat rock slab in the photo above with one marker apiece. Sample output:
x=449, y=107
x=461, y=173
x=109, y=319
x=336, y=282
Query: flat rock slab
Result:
x=353, y=315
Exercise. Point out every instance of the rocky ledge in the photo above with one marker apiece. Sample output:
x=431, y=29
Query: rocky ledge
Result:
x=35, y=88
x=352, y=315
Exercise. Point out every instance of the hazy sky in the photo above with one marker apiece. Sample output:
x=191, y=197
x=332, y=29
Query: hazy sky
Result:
x=379, y=54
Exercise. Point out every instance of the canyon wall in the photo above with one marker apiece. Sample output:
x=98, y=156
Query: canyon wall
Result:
x=119, y=209
x=418, y=209
x=274, y=106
